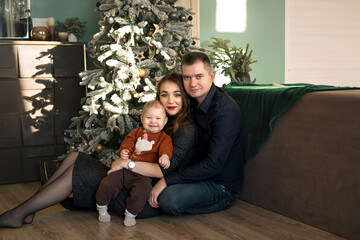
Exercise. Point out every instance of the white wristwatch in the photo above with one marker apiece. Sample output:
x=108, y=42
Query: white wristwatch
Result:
x=131, y=165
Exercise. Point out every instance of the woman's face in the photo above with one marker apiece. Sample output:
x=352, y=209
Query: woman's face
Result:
x=171, y=97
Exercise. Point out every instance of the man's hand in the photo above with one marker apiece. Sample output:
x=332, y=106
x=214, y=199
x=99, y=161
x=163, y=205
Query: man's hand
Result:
x=118, y=164
x=124, y=154
x=155, y=192
x=164, y=161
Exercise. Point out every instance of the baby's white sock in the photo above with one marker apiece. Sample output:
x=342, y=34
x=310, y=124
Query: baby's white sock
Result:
x=129, y=220
x=104, y=216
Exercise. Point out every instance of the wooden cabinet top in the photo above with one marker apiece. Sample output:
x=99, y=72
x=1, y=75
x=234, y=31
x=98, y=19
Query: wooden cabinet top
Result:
x=31, y=42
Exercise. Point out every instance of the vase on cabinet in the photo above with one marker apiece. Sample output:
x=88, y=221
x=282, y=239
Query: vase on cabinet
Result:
x=72, y=38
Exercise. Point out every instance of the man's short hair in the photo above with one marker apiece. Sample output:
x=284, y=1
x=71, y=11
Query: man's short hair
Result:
x=192, y=57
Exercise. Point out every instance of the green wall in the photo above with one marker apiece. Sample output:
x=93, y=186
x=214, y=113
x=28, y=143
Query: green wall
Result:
x=60, y=10
x=265, y=29
x=265, y=32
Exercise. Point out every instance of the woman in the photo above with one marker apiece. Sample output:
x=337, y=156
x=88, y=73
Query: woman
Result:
x=81, y=174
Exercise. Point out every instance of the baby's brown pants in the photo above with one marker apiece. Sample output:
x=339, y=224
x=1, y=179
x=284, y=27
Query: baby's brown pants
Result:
x=139, y=189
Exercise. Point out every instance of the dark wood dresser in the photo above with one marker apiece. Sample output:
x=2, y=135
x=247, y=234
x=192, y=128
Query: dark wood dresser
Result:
x=39, y=94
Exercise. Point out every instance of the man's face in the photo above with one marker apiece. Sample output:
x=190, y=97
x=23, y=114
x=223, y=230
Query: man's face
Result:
x=197, y=80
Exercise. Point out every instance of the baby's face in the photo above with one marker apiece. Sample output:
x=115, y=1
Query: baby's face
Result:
x=154, y=119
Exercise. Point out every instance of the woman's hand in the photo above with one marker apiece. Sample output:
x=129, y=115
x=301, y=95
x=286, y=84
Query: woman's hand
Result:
x=118, y=164
x=155, y=192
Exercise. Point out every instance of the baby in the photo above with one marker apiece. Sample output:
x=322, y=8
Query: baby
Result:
x=148, y=143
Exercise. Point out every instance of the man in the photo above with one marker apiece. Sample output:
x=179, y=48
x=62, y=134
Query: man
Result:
x=213, y=179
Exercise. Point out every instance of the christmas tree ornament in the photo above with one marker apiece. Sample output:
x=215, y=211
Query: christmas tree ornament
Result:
x=193, y=42
x=159, y=29
x=92, y=51
x=140, y=56
x=170, y=64
x=136, y=118
x=137, y=38
x=152, y=74
x=140, y=88
x=110, y=20
x=98, y=4
x=172, y=15
x=150, y=31
x=99, y=148
x=107, y=75
x=182, y=18
x=142, y=72
x=190, y=18
x=186, y=42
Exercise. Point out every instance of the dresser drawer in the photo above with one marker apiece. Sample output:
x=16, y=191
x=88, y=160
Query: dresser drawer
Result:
x=9, y=101
x=51, y=60
x=35, y=60
x=68, y=60
x=8, y=62
x=10, y=128
x=37, y=116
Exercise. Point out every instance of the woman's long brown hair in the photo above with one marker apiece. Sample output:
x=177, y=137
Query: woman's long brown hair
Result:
x=183, y=117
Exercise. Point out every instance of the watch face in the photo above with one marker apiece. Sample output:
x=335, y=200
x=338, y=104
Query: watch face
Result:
x=131, y=164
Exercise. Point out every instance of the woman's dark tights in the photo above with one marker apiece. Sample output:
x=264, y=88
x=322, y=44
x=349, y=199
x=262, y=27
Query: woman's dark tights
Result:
x=56, y=189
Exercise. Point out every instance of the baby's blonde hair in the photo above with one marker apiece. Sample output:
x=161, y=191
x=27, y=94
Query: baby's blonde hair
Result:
x=153, y=104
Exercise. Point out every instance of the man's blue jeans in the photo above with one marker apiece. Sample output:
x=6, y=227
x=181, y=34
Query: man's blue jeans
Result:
x=196, y=198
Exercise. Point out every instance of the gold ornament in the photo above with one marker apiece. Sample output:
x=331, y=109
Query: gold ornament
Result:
x=142, y=72
x=133, y=92
x=150, y=32
x=107, y=75
x=136, y=118
x=99, y=148
x=40, y=34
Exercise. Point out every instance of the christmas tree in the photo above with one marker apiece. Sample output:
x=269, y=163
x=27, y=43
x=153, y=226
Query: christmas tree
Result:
x=139, y=41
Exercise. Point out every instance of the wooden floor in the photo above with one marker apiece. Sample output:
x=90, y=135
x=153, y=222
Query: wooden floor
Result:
x=242, y=221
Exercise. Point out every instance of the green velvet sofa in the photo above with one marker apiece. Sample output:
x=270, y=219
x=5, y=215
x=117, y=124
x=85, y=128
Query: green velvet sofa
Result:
x=307, y=164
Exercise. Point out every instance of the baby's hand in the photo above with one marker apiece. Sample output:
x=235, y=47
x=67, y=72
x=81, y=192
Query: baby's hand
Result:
x=124, y=154
x=164, y=161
